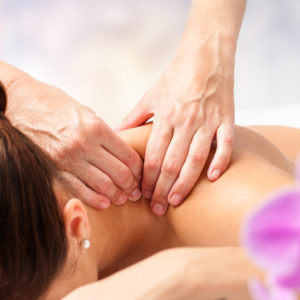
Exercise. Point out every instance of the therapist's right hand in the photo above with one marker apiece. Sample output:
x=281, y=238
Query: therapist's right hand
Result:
x=98, y=165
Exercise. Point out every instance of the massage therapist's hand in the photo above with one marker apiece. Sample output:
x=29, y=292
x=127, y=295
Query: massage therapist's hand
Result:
x=99, y=166
x=192, y=103
x=191, y=109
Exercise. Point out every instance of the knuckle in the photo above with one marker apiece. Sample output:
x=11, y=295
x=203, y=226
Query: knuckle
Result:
x=105, y=185
x=60, y=155
x=171, y=167
x=75, y=143
x=114, y=198
x=92, y=201
x=193, y=116
x=123, y=177
x=148, y=184
x=94, y=126
x=100, y=187
x=152, y=162
x=182, y=187
x=159, y=196
x=166, y=134
x=131, y=159
x=64, y=153
x=228, y=140
x=190, y=120
x=198, y=158
x=164, y=115
x=179, y=186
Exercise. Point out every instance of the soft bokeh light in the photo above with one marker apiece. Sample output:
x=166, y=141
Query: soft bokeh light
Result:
x=107, y=53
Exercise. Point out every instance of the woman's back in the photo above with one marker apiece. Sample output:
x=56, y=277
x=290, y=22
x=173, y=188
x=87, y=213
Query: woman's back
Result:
x=213, y=212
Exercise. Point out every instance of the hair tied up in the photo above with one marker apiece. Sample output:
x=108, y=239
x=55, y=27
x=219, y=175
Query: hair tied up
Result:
x=3, y=98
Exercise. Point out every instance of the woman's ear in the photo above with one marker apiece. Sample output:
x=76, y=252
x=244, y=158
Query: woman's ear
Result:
x=76, y=221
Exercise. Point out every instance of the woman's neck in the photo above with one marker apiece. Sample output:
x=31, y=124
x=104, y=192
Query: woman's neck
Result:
x=126, y=234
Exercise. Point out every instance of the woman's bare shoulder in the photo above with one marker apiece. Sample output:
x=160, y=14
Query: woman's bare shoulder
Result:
x=255, y=170
x=137, y=137
x=265, y=141
x=287, y=139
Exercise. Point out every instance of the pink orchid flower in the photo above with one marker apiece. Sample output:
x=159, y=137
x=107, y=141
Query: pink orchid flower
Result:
x=272, y=238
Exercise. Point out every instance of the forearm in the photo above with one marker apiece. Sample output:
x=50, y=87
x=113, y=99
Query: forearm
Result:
x=203, y=65
x=183, y=273
x=217, y=20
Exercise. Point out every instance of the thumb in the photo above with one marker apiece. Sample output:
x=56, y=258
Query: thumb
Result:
x=137, y=116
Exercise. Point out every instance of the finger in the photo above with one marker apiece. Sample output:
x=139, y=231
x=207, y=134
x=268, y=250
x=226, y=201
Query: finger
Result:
x=137, y=116
x=223, y=153
x=84, y=193
x=116, y=174
x=122, y=151
x=172, y=164
x=155, y=152
x=102, y=184
x=193, y=166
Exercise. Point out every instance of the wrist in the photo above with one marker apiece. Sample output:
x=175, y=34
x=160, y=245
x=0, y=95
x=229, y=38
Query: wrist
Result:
x=197, y=64
x=213, y=25
x=207, y=18
x=206, y=47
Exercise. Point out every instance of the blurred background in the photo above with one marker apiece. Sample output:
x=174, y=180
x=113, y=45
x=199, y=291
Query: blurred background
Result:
x=106, y=53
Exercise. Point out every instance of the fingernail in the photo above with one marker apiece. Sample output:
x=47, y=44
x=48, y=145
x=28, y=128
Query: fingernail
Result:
x=136, y=195
x=215, y=174
x=158, y=209
x=147, y=194
x=176, y=199
x=104, y=204
x=122, y=199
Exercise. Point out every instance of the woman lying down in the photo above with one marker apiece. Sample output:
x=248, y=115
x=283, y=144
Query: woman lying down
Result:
x=46, y=231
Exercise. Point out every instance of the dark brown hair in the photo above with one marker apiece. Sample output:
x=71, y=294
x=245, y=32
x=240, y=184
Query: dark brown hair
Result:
x=33, y=243
x=2, y=97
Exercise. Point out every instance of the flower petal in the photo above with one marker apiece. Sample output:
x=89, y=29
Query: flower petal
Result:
x=272, y=234
x=291, y=280
x=280, y=293
x=258, y=291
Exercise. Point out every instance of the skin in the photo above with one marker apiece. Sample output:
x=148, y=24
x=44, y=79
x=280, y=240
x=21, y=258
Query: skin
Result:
x=98, y=165
x=176, y=274
x=193, y=104
x=212, y=217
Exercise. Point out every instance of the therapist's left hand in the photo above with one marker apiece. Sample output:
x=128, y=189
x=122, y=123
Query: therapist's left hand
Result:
x=193, y=104
x=98, y=166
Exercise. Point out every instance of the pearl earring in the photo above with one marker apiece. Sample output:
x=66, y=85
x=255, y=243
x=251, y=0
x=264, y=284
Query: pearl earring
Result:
x=85, y=244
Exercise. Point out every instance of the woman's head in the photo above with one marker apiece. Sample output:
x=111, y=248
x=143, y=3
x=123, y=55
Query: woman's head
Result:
x=33, y=242
x=41, y=226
